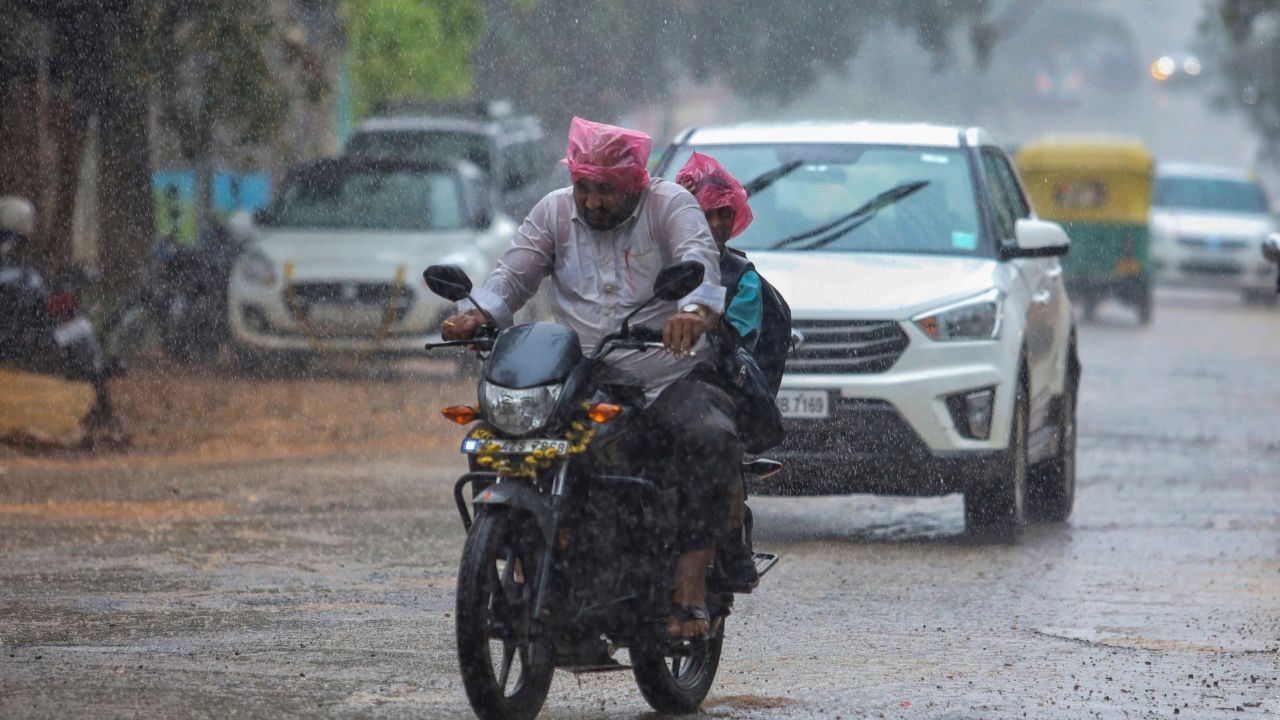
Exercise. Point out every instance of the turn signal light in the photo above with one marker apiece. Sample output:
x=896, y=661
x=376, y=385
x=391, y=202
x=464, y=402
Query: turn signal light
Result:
x=461, y=414
x=603, y=412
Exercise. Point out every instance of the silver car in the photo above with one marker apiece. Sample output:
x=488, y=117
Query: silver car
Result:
x=1207, y=229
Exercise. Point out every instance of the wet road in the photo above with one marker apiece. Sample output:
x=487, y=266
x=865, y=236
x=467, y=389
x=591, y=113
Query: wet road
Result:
x=324, y=588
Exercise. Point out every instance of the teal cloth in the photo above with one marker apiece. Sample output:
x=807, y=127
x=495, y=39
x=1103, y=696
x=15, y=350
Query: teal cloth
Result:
x=746, y=312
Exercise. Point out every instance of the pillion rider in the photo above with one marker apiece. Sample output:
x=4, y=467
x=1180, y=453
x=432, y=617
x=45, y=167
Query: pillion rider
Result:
x=724, y=204
x=602, y=242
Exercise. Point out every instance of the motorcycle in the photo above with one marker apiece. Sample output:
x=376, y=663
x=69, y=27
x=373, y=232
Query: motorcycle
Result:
x=45, y=330
x=183, y=295
x=570, y=552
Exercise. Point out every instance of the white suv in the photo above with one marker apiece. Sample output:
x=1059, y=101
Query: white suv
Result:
x=935, y=343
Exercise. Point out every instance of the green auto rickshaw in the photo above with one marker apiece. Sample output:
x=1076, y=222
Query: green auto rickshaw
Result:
x=1099, y=190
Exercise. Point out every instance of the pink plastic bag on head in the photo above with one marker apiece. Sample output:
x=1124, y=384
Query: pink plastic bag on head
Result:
x=716, y=188
x=608, y=154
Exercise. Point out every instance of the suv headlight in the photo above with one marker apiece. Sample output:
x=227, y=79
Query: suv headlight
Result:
x=518, y=412
x=977, y=318
x=257, y=268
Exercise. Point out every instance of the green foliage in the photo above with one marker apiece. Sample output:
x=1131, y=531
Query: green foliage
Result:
x=600, y=57
x=410, y=48
x=1245, y=35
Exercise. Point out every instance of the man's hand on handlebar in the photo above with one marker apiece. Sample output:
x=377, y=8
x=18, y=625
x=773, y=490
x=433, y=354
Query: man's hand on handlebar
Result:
x=682, y=332
x=462, y=326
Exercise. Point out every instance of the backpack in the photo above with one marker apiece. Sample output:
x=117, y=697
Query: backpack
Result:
x=752, y=378
x=774, y=343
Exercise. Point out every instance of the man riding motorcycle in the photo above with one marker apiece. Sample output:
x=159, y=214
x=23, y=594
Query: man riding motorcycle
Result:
x=602, y=242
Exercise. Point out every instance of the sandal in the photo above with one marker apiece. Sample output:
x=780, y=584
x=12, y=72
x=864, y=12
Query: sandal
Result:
x=682, y=614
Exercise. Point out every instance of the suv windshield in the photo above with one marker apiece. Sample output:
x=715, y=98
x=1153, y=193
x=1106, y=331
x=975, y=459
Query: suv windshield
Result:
x=426, y=146
x=831, y=181
x=1192, y=193
x=365, y=198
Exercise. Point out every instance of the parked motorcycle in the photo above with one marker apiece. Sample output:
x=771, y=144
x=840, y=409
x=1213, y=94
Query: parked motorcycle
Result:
x=182, y=295
x=44, y=329
x=570, y=554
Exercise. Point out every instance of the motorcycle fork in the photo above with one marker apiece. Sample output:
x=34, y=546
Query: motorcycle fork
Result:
x=544, y=571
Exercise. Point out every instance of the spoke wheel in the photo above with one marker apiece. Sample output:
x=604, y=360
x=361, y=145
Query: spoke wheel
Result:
x=506, y=668
x=678, y=683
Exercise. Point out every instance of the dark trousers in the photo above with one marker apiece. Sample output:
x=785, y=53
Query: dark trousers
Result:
x=692, y=425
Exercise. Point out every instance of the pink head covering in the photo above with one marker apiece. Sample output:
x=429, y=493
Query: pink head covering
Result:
x=608, y=154
x=716, y=188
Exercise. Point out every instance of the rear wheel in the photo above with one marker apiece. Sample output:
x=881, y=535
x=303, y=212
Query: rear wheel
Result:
x=506, y=666
x=676, y=683
x=995, y=512
x=1052, y=488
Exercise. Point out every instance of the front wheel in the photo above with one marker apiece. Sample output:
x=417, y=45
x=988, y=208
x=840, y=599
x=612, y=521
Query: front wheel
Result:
x=995, y=512
x=1053, y=483
x=676, y=684
x=506, y=664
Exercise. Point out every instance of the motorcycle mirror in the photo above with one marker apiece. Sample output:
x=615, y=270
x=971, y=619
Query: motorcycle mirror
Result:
x=1271, y=247
x=448, y=281
x=676, y=281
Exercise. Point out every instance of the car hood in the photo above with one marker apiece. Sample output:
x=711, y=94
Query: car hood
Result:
x=873, y=285
x=359, y=253
x=1201, y=223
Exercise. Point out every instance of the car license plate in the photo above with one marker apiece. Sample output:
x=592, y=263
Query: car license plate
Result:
x=804, y=403
x=471, y=446
x=69, y=332
x=344, y=317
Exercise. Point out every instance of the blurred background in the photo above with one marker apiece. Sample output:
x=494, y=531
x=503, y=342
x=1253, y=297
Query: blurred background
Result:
x=108, y=103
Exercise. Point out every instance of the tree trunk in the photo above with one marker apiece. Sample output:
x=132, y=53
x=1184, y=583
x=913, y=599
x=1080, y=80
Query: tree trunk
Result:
x=20, y=142
x=69, y=130
x=126, y=205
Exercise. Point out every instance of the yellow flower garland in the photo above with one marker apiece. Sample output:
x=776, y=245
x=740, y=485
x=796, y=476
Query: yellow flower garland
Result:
x=579, y=437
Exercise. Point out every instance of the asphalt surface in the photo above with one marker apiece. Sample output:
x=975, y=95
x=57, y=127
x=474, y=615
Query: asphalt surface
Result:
x=324, y=587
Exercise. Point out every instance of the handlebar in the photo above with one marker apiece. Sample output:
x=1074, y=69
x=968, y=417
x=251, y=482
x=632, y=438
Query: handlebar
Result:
x=482, y=340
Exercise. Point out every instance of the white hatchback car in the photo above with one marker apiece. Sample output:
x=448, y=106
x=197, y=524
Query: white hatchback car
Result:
x=335, y=263
x=936, y=350
x=1207, y=229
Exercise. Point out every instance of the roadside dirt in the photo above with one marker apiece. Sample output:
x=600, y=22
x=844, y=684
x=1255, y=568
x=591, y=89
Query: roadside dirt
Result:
x=213, y=414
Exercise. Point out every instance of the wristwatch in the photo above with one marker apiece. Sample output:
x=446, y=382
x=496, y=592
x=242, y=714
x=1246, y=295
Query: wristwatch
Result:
x=697, y=309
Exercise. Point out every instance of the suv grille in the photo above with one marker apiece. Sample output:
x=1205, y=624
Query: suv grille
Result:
x=847, y=346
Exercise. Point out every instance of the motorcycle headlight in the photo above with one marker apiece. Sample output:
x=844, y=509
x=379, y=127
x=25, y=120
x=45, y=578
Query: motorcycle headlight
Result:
x=518, y=412
x=977, y=318
x=257, y=268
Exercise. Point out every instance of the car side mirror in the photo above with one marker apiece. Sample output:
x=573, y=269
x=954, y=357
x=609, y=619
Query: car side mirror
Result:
x=448, y=281
x=1037, y=238
x=676, y=281
x=1271, y=247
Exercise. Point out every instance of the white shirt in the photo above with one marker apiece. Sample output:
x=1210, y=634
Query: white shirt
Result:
x=598, y=277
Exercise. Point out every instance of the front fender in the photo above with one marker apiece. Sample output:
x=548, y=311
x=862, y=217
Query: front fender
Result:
x=517, y=494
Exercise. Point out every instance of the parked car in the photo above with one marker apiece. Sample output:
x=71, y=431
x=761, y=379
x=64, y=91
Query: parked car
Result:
x=1207, y=227
x=936, y=351
x=334, y=262
x=511, y=149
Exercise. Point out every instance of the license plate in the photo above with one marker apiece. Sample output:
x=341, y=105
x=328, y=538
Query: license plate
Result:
x=69, y=332
x=1128, y=268
x=804, y=403
x=471, y=446
x=344, y=317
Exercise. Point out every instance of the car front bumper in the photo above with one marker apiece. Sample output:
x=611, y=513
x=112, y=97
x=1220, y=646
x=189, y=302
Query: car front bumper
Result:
x=266, y=318
x=894, y=432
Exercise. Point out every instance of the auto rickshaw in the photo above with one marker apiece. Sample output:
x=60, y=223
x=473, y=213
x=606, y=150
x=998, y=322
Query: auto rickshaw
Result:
x=1099, y=190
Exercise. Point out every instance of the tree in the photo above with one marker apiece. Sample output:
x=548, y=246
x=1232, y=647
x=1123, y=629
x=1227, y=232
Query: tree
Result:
x=410, y=48
x=600, y=57
x=201, y=65
x=1245, y=35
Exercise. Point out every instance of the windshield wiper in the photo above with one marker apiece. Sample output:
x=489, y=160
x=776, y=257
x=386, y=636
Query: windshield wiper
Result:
x=855, y=219
x=765, y=179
